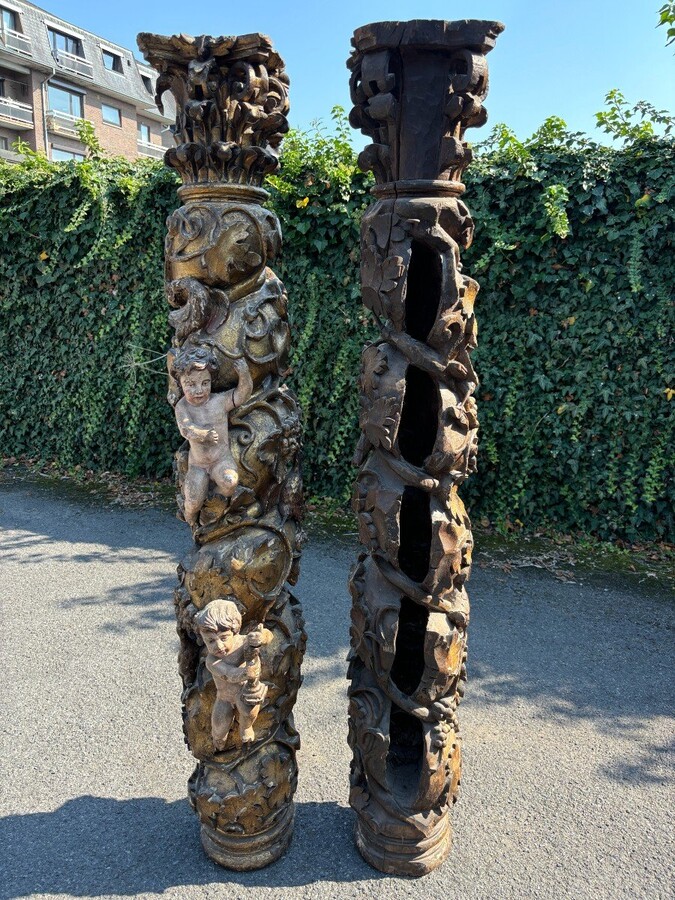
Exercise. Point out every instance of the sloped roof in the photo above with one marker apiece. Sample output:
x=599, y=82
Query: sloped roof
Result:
x=127, y=84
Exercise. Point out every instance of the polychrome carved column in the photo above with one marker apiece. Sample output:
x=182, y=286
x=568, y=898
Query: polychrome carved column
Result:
x=416, y=86
x=241, y=630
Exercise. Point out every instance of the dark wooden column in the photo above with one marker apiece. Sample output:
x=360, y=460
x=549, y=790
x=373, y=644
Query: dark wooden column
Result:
x=416, y=86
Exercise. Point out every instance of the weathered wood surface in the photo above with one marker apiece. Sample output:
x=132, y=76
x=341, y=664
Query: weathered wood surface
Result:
x=416, y=87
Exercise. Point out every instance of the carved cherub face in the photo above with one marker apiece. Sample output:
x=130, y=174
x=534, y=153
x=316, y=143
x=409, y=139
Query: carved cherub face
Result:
x=219, y=643
x=196, y=386
x=218, y=623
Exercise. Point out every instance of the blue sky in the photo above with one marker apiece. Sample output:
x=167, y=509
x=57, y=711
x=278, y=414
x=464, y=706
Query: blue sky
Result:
x=553, y=59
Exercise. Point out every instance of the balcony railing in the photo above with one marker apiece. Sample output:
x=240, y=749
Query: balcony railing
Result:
x=156, y=151
x=73, y=63
x=14, y=40
x=10, y=155
x=62, y=123
x=19, y=114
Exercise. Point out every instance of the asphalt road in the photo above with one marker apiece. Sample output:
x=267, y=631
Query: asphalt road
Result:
x=566, y=793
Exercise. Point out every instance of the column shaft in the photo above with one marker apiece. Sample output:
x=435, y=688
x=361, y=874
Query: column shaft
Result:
x=241, y=630
x=416, y=87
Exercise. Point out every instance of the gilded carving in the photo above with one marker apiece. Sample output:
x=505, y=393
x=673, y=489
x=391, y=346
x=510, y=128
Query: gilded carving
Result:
x=238, y=475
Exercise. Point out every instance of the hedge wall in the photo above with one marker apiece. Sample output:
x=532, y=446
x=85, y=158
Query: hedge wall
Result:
x=576, y=314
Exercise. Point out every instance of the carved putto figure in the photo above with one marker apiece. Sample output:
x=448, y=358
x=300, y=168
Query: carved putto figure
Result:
x=202, y=419
x=238, y=466
x=234, y=662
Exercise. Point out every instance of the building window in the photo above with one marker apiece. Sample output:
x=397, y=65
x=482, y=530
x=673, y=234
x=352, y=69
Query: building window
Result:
x=65, y=43
x=9, y=19
x=111, y=115
x=144, y=133
x=4, y=143
x=148, y=83
x=65, y=101
x=112, y=62
x=65, y=155
x=2, y=87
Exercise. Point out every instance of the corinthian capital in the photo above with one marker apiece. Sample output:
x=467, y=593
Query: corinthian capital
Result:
x=231, y=98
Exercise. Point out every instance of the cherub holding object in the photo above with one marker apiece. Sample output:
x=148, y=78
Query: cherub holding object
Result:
x=202, y=419
x=234, y=662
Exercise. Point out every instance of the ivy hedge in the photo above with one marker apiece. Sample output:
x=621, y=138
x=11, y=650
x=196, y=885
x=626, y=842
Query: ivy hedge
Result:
x=574, y=254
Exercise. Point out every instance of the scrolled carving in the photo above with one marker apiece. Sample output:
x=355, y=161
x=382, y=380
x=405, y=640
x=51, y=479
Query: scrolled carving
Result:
x=446, y=81
x=238, y=474
x=232, y=101
x=416, y=87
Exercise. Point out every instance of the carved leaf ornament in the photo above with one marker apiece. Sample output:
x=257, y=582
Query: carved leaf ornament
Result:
x=416, y=87
x=241, y=492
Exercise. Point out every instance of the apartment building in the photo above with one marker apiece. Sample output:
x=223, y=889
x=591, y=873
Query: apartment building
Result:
x=53, y=74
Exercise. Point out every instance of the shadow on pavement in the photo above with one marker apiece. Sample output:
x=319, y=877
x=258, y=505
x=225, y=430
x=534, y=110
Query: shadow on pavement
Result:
x=565, y=654
x=145, y=604
x=97, y=846
x=569, y=652
x=44, y=515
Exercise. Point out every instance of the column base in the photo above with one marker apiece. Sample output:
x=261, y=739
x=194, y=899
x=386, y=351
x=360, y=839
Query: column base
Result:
x=244, y=852
x=402, y=857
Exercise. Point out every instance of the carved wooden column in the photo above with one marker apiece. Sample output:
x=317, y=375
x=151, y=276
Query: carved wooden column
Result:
x=416, y=86
x=241, y=630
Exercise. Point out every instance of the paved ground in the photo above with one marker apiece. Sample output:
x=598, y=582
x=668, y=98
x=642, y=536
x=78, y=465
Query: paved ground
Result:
x=567, y=720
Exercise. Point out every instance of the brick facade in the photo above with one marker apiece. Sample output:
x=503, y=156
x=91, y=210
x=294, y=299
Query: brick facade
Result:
x=29, y=71
x=37, y=138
